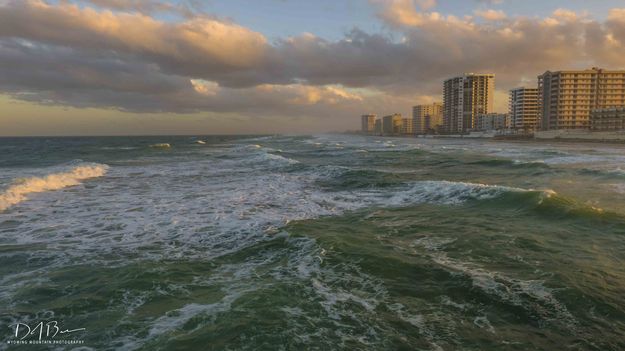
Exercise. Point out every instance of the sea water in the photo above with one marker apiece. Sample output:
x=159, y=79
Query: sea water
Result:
x=328, y=242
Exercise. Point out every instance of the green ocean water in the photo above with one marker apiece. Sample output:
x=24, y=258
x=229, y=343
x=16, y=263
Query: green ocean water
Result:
x=328, y=242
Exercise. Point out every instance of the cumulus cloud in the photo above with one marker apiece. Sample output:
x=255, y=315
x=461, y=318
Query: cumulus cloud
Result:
x=199, y=43
x=143, y=6
x=491, y=15
x=492, y=2
x=403, y=13
x=65, y=76
x=118, y=55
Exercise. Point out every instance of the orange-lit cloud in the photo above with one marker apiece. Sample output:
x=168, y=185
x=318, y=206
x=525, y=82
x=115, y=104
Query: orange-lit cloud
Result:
x=117, y=54
x=491, y=15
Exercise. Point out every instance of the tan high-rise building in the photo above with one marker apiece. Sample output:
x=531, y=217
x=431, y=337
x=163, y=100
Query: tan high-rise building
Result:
x=608, y=119
x=392, y=124
x=566, y=98
x=524, y=109
x=464, y=98
x=407, y=126
x=434, y=123
x=378, y=127
x=426, y=117
x=367, y=124
x=492, y=121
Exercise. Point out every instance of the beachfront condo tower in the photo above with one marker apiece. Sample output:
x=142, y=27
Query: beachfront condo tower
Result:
x=464, y=98
x=427, y=118
x=566, y=98
x=392, y=124
x=368, y=124
x=523, y=111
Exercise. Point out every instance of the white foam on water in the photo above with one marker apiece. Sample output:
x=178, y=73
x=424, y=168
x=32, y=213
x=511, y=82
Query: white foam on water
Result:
x=432, y=243
x=177, y=318
x=209, y=207
x=608, y=170
x=161, y=145
x=17, y=192
x=484, y=323
x=619, y=188
x=446, y=192
x=419, y=192
x=419, y=321
x=531, y=295
x=566, y=160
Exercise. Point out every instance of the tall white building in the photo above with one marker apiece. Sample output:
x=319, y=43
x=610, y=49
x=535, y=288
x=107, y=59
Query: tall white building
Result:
x=464, y=98
x=524, y=109
x=367, y=124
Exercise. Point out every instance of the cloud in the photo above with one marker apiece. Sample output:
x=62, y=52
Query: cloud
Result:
x=204, y=87
x=298, y=94
x=565, y=15
x=143, y=6
x=120, y=56
x=199, y=43
x=491, y=2
x=491, y=15
x=64, y=76
x=403, y=12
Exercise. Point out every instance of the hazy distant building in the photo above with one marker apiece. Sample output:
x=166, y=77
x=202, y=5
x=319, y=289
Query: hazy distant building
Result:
x=426, y=118
x=392, y=124
x=368, y=124
x=491, y=121
x=608, y=119
x=434, y=124
x=407, y=126
x=464, y=98
x=566, y=98
x=524, y=109
x=378, y=127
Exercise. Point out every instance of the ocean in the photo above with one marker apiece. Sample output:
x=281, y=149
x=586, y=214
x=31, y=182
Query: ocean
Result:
x=324, y=242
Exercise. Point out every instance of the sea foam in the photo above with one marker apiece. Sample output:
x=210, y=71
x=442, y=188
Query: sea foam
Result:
x=17, y=192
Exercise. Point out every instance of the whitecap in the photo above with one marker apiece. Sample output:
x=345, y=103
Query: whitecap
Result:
x=161, y=145
x=55, y=181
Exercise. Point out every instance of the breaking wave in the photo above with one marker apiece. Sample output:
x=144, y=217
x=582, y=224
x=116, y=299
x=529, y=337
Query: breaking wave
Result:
x=17, y=192
x=161, y=146
x=441, y=192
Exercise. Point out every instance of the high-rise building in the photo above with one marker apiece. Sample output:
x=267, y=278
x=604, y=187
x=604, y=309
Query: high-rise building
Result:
x=406, y=126
x=378, y=127
x=434, y=124
x=491, y=121
x=368, y=124
x=566, y=98
x=464, y=98
x=608, y=119
x=524, y=109
x=392, y=124
x=426, y=117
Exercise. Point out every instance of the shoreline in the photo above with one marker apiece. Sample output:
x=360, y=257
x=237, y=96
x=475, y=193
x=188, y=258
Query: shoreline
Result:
x=504, y=139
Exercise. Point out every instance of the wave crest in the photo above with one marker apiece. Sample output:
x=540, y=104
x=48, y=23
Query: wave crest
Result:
x=17, y=192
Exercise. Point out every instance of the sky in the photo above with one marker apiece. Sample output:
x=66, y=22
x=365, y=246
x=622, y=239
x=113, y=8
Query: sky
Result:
x=138, y=67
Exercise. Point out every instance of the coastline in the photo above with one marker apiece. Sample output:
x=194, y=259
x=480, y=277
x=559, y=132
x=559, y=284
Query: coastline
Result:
x=506, y=138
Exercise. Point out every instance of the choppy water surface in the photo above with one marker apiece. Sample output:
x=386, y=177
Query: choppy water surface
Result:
x=320, y=242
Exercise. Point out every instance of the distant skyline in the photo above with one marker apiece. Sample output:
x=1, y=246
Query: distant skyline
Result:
x=122, y=67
